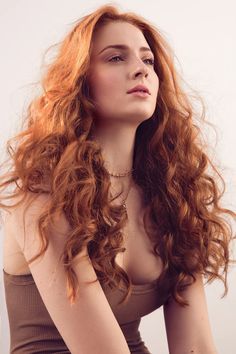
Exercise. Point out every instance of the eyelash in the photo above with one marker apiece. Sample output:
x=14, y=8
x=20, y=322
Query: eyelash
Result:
x=118, y=56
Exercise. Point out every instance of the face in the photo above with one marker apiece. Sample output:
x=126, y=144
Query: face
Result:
x=114, y=71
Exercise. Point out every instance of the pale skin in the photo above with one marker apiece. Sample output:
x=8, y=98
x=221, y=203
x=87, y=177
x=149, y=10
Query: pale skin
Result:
x=188, y=329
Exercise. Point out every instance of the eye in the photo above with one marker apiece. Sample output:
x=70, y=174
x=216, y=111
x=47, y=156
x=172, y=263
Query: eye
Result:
x=151, y=61
x=117, y=56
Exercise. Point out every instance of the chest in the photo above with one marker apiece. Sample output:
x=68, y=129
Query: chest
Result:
x=139, y=260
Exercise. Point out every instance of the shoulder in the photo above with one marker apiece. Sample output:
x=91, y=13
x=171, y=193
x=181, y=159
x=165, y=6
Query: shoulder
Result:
x=28, y=210
x=30, y=203
x=14, y=223
x=22, y=220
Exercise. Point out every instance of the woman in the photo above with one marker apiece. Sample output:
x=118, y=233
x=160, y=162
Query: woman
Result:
x=115, y=213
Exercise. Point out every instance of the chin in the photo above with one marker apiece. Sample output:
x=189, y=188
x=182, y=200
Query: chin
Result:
x=140, y=116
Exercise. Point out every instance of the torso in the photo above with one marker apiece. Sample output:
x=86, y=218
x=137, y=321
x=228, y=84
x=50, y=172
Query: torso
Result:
x=138, y=260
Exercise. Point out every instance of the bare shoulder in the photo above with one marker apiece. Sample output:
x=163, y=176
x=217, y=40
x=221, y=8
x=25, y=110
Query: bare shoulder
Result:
x=32, y=203
x=20, y=231
x=26, y=214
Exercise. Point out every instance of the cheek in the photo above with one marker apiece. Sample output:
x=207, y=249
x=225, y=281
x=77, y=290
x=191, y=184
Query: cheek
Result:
x=104, y=84
x=156, y=85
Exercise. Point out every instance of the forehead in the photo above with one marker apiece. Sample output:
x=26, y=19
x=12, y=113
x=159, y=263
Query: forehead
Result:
x=117, y=32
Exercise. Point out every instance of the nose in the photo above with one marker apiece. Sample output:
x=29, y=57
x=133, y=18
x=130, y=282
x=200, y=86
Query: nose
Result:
x=140, y=69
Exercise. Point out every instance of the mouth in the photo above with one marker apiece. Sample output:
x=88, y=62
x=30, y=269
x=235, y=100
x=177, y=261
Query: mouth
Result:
x=140, y=94
x=139, y=88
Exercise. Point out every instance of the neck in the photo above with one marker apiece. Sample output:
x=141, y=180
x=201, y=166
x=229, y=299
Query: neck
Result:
x=117, y=145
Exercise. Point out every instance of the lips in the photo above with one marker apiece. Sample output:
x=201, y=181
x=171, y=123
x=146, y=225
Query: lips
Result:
x=139, y=88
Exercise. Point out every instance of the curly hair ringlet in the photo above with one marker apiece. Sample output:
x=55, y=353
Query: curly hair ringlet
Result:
x=55, y=155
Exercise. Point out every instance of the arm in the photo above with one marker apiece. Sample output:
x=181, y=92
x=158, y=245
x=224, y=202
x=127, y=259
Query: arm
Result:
x=188, y=328
x=88, y=326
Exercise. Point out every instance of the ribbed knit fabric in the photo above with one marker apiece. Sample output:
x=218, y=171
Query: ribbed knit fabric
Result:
x=32, y=330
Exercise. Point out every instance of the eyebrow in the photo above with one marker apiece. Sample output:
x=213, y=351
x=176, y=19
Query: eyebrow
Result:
x=124, y=47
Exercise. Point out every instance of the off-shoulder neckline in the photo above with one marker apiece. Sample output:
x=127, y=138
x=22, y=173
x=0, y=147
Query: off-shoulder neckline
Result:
x=24, y=278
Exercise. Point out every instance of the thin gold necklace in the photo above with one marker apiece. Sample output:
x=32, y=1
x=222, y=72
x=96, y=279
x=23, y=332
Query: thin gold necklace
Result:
x=124, y=174
x=123, y=203
x=130, y=185
x=124, y=200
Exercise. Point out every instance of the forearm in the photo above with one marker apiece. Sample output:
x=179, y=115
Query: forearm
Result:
x=194, y=351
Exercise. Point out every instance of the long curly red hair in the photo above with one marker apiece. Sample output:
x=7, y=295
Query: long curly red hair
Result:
x=55, y=154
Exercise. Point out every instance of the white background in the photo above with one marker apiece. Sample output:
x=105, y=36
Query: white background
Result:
x=202, y=34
